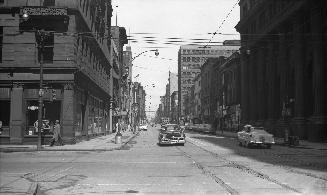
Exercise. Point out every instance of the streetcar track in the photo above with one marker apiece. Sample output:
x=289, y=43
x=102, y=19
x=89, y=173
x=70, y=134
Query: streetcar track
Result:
x=292, y=160
x=245, y=169
x=208, y=173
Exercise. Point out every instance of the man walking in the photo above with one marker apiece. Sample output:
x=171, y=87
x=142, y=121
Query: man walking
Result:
x=56, y=138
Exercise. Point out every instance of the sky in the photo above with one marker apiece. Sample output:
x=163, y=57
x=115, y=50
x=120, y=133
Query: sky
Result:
x=165, y=25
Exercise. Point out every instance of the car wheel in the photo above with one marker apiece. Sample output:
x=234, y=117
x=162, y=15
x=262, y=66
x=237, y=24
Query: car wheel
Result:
x=240, y=143
x=182, y=144
x=268, y=146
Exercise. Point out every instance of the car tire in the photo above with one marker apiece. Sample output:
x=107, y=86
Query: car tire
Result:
x=240, y=143
x=182, y=144
x=268, y=146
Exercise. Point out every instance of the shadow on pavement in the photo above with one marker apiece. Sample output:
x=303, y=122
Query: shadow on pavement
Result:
x=277, y=155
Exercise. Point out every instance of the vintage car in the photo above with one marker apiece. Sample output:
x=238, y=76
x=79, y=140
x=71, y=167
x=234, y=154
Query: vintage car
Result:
x=251, y=136
x=171, y=134
x=143, y=127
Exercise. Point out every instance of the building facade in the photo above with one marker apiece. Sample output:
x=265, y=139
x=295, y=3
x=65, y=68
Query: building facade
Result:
x=227, y=113
x=190, y=60
x=74, y=50
x=283, y=57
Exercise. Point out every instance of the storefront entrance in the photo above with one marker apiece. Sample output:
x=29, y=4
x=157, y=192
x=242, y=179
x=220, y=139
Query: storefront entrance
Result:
x=51, y=113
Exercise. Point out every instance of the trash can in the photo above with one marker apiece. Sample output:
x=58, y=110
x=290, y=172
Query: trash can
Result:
x=118, y=138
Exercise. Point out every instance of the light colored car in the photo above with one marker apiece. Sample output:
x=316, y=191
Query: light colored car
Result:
x=143, y=127
x=251, y=136
x=171, y=134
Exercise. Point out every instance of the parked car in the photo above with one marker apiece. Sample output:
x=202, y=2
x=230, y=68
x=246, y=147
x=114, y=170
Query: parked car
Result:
x=251, y=136
x=171, y=134
x=143, y=127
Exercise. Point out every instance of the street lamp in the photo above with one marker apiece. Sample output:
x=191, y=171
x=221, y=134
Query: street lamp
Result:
x=156, y=52
x=41, y=35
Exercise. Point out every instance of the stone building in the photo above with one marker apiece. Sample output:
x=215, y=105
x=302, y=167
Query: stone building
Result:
x=226, y=112
x=190, y=60
x=76, y=64
x=283, y=65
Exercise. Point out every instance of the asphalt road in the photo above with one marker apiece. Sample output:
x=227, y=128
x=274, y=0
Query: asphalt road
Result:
x=207, y=164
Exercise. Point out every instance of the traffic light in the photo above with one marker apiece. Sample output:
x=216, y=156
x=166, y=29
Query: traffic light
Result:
x=53, y=95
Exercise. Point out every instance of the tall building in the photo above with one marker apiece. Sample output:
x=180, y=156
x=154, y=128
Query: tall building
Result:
x=190, y=60
x=127, y=84
x=70, y=40
x=283, y=62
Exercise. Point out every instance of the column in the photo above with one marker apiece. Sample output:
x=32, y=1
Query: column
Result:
x=271, y=74
x=244, y=87
x=298, y=122
x=67, y=121
x=282, y=70
x=17, y=112
x=260, y=85
x=86, y=114
x=252, y=87
x=319, y=118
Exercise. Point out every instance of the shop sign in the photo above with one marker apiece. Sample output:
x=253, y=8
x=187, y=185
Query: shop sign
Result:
x=44, y=11
x=32, y=107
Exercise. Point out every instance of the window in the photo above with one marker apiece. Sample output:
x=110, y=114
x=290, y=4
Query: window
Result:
x=51, y=112
x=1, y=40
x=47, y=52
x=49, y=3
x=5, y=112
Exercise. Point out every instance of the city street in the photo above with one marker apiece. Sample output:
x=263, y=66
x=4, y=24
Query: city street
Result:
x=207, y=164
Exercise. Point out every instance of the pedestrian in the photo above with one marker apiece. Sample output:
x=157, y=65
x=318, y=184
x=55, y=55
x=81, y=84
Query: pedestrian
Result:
x=56, y=137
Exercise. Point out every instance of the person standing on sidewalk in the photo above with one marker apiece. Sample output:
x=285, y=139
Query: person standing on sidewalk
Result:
x=56, y=138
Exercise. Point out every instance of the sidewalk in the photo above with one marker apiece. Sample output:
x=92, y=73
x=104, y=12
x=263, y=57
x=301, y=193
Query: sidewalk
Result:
x=101, y=143
x=15, y=184
x=280, y=141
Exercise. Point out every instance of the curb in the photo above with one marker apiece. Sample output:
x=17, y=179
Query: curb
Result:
x=9, y=150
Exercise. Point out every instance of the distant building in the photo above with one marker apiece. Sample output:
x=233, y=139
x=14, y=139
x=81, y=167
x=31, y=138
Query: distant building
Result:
x=226, y=113
x=190, y=60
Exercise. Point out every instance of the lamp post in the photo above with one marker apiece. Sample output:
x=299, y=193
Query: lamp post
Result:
x=156, y=52
x=40, y=44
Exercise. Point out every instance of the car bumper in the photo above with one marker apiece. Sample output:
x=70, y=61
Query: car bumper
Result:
x=170, y=142
x=259, y=142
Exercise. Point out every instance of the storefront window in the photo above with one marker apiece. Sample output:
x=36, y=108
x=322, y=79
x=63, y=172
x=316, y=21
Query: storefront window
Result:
x=91, y=116
x=96, y=116
x=4, y=117
x=51, y=113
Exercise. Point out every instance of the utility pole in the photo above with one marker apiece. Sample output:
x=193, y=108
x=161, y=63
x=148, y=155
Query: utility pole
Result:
x=40, y=36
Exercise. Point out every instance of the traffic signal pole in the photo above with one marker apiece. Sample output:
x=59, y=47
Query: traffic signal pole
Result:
x=41, y=92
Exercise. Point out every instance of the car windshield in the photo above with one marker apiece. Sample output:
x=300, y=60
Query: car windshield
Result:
x=171, y=127
x=258, y=131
